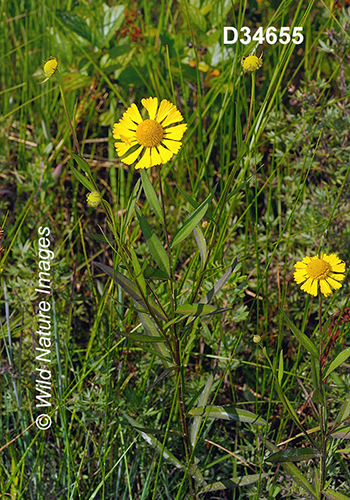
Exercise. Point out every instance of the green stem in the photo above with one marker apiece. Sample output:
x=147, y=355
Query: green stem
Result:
x=252, y=99
x=322, y=406
x=75, y=140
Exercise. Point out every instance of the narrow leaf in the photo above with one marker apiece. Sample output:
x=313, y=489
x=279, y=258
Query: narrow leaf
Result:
x=138, y=337
x=201, y=243
x=202, y=402
x=129, y=287
x=191, y=223
x=334, y=495
x=153, y=243
x=342, y=356
x=84, y=180
x=293, y=455
x=301, y=337
x=152, y=331
x=228, y=413
x=151, y=195
x=138, y=271
x=131, y=205
x=293, y=471
x=83, y=164
x=344, y=411
x=233, y=482
x=280, y=368
x=199, y=309
x=220, y=283
x=342, y=433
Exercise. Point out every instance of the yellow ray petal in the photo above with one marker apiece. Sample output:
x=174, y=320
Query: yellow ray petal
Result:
x=151, y=104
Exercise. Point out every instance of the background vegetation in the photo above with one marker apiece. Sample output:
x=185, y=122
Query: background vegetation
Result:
x=283, y=193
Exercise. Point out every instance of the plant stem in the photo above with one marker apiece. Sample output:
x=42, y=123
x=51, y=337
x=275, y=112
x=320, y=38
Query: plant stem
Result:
x=252, y=99
x=322, y=405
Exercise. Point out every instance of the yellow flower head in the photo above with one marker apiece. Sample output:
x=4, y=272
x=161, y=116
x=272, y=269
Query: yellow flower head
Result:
x=252, y=62
x=324, y=273
x=156, y=141
x=93, y=199
x=50, y=67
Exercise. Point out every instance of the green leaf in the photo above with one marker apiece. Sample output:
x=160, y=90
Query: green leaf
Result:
x=151, y=330
x=228, y=413
x=167, y=455
x=151, y=195
x=112, y=21
x=341, y=433
x=293, y=471
x=131, y=205
x=202, y=402
x=142, y=338
x=293, y=455
x=220, y=283
x=344, y=411
x=201, y=243
x=84, y=181
x=334, y=495
x=153, y=243
x=83, y=164
x=196, y=18
x=280, y=368
x=156, y=274
x=138, y=271
x=129, y=287
x=342, y=356
x=191, y=223
x=301, y=337
x=233, y=482
x=75, y=23
x=199, y=310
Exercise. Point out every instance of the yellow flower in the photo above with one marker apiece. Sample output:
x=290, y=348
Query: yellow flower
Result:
x=50, y=66
x=155, y=139
x=252, y=62
x=324, y=273
x=93, y=199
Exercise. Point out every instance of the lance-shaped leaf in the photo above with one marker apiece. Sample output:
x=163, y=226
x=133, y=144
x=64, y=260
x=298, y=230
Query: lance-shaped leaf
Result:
x=228, y=413
x=344, y=411
x=131, y=205
x=199, y=310
x=191, y=223
x=293, y=471
x=219, y=284
x=234, y=482
x=84, y=180
x=201, y=243
x=341, y=358
x=167, y=455
x=130, y=288
x=152, y=331
x=83, y=164
x=153, y=243
x=334, y=495
x=151, y=195
x=293, y=455
x=342, y=432
x=301, y=337
x=202, y=402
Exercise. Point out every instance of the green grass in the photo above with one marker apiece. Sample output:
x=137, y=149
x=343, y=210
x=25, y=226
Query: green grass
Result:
x=125, y=423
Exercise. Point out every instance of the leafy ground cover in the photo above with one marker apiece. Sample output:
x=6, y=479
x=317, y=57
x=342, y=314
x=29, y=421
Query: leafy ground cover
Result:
x=184, y=359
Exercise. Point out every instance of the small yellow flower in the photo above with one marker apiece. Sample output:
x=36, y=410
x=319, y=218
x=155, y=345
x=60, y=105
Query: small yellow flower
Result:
x=324, y=273
x=93, y=199
x=257, y=339
x=156, y=140
x=50, y=67
x=252, y=62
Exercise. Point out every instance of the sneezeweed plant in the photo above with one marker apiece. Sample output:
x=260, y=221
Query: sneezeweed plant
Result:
x=317, y=275
x=252, y=62
x=320, y=274
x=156, y=139
x=93, y=199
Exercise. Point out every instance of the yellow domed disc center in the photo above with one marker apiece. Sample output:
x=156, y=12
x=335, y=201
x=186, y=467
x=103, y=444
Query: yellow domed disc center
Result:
x=149, y=133
x=318, y=269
